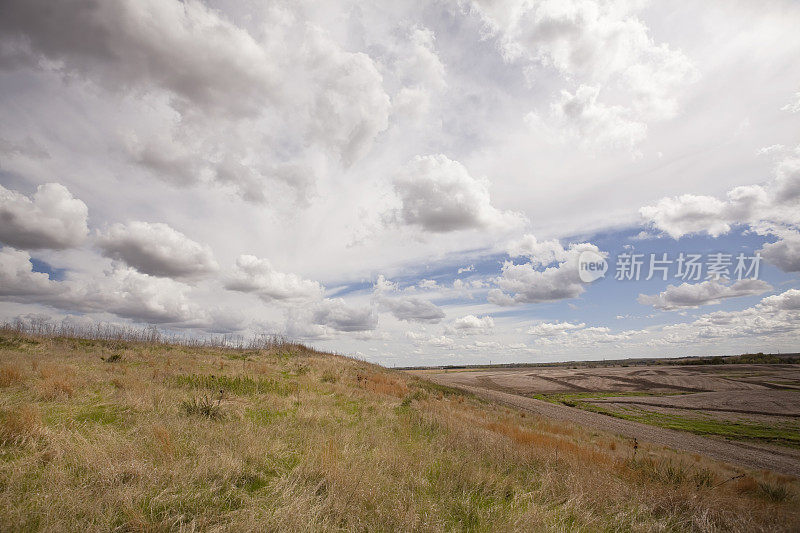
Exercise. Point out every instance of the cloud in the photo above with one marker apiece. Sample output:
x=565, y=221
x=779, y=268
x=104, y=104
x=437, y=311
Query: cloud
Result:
x=126, y=42
x=51, y=218
x=141, y=297
x=471, y=324
x=349, y=106
x=540, y=253
x=598, y=125
x=598, y=46
x=774, y=315
x=18, y=281
x=527, y=284
x=786, y=301
x=121, y=291
x=550, y=329
x=418, y=68
x=439, y=195
x=336, y=314
x=774, y=203
x=693, y=295
x=582, y=337
x=413, y=309
x=793, y=107
x=428, y=284
x=157, y=249
x=383, y=285
x=769, y=209
x=230, y=89
x=784, y=253
x=254, y=275
x=442, y=341
x=688, y=214
x=786, y=188
x=26, y=147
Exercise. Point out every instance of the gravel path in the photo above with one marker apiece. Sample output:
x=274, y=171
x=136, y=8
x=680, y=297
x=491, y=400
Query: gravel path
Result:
x=753, y=456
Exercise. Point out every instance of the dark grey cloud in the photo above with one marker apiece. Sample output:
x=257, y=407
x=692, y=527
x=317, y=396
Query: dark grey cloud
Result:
x=413, y=309
x=253, y=109
x=157, y=249
x=183, y=47
x=336, y=314
x=784, y=253
x=123, y=292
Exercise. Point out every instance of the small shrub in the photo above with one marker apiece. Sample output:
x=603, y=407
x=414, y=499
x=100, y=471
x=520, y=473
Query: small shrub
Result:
x=329, y=377
x=773, y=492
x=114, y=358
x=203, y=406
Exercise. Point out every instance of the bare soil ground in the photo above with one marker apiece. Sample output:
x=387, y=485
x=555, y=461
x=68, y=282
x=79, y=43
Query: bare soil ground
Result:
x=758, y=396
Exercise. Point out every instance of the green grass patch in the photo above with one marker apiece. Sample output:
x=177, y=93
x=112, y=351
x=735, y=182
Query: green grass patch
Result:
x=785, y=434
x=572, y=399
x=239, y=385
x=103, y=414
x=264, y=416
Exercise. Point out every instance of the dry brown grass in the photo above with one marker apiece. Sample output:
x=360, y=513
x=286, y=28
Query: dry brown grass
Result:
x=20, y=423
x=10, y=375
x=297, y=450
x=164, y=439
x=383, y=384
x=54, y=387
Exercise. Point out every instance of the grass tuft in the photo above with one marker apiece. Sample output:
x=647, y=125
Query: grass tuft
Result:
x=203, y=406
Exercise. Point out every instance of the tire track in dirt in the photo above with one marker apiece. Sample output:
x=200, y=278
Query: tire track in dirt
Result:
x=646, y=384
x=786, y=461
x=563, y=382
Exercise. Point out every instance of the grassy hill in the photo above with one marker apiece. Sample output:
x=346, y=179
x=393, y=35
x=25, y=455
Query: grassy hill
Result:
x=134, y=436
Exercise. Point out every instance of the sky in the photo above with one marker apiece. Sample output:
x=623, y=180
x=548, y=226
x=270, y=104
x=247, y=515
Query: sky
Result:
x=407, y=182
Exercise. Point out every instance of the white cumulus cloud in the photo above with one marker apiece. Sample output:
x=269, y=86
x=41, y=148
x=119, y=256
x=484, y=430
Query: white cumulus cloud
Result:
x=254, y=275
x=692, y=295
x=528, y=283
x=51, y=218
x=157, y=249
x=439, y=195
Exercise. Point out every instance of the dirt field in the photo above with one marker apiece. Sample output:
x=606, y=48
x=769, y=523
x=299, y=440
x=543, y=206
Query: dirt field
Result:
x=743, y=414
